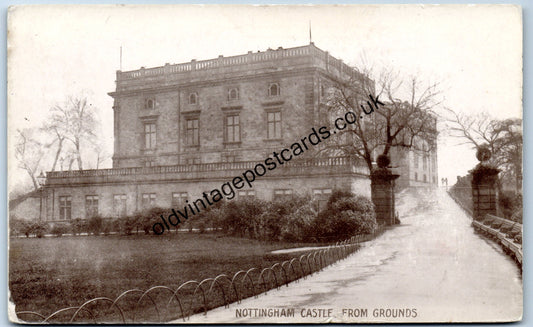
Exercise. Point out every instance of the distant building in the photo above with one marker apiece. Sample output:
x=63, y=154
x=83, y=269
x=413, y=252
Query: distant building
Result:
x=417, y=165
x=417, y=168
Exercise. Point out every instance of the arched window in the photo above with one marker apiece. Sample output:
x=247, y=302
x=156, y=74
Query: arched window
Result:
x=149, y=103
x=273, y=89
x=233, y=94
x=193, y=98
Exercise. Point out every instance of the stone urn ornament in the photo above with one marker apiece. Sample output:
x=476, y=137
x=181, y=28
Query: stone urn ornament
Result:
x=484, y=172
x=483, y=154
x=383, y=161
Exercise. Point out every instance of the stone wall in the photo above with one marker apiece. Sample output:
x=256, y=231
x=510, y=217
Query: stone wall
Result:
x=263, y=188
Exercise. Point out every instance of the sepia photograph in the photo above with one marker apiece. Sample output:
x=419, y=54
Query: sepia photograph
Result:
x=277, y=164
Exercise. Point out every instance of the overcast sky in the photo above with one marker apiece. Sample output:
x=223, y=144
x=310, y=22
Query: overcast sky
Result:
x=474, y=51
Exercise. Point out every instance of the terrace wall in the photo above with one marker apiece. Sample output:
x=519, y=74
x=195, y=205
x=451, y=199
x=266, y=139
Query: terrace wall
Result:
x=299, y=176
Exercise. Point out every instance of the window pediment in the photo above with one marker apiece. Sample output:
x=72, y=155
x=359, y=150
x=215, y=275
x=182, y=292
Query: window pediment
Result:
x=149, y=118
x=191, y=113
x=230, y=108
x=272, y=103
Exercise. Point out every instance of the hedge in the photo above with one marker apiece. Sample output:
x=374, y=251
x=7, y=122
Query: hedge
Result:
x=293, y=219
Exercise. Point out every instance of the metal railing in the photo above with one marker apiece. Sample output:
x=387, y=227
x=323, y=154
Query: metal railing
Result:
x=507, y=233
x=136, y=306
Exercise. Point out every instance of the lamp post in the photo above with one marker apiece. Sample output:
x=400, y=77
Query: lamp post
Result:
x=41, y=179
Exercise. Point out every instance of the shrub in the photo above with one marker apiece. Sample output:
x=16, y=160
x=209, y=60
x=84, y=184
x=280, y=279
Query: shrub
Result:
x=279, y=220
x=299, y=225
x=243, y=216
x=37, y=228
x=338, y=194
x=129, y=223
x=214, y=216
x=510, y=204
x=95, y=225
x=60, y=229
x=19, y=226
x=110, y=225
x=346, y=215
x=271, y=226
x=78, y=226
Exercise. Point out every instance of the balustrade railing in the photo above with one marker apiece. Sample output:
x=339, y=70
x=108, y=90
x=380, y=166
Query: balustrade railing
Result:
x=324, y=58
x=357, y=166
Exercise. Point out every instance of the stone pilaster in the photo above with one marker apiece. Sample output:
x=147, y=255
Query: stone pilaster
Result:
x=382, y=184
x=484, y=191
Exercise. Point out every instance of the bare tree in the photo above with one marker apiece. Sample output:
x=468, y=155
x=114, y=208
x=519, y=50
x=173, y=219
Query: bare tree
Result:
x=384, y=121
x=473, y=129
x=29, y=152
x=503, y=138
x=68, y=131
x=100, y=154
x=82, y=124
x=74, y=122
x=509, y=147
x=56, y=125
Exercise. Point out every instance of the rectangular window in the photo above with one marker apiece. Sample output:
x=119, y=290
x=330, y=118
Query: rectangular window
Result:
x=416, y=176
x=65, y=207
x=178, y=199
x=246, y=194
x=415, y=159
x=150, y=163
x=281, y=193
x=119, y=205
x=322, y=196
x=322, y=192
x=425, y=162
x=149, y=136
x=148, y=200
x=274, y=125
x=233, y=130
x=192, y=132
x=192, y=161
x=229, y=158
x=91, y=206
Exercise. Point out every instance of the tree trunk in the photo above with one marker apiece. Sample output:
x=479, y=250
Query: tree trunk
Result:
x=78, y=156
x=58, y=152
x=33, y=179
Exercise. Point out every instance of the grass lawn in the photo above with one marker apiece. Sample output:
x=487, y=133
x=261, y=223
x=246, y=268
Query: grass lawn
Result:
x=47, y=274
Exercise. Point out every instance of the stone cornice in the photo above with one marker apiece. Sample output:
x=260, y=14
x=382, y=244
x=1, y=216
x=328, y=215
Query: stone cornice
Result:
x=214, y=82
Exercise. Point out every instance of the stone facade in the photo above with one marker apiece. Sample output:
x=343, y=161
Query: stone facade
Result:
x=184, y=129
x=253, y=87
x=416, y=168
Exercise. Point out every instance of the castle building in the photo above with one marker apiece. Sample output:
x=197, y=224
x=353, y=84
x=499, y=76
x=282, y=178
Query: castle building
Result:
x=184, y=129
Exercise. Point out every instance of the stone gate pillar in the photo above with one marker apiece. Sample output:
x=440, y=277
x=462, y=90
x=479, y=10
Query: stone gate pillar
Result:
x=484, y=186
x=382, y=185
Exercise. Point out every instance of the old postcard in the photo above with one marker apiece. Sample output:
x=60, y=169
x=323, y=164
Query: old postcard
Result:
x=265, y=164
